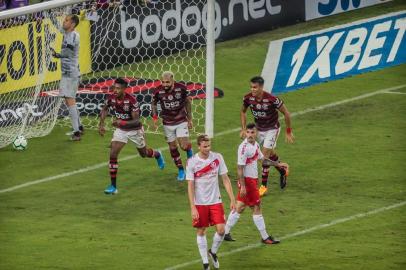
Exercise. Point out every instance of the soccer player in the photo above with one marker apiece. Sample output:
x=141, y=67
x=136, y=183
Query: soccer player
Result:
x=128, y=127
x=176, y=117
x=70, y=71
x=248, y=155
x=202, y=172
x=264, y=108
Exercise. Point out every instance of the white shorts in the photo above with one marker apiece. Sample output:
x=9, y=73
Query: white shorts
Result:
x=268, y=138
x=68, y=86
x=136, y=136
x=176, y=131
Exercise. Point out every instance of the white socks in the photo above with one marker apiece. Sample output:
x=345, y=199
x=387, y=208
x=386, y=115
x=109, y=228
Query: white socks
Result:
x=202, y=245
x=231, y=221
x=217, y=240
x=260, y=223
x=74, y=117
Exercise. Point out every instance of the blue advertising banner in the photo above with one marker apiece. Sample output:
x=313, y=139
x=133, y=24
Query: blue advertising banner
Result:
x=337, y=52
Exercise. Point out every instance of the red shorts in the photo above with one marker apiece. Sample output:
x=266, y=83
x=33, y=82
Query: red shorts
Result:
x=209, y=215
x=251, y=198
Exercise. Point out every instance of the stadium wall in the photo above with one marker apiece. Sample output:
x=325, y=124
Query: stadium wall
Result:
x=321, y=8
x=130, y=42
x=334, y=53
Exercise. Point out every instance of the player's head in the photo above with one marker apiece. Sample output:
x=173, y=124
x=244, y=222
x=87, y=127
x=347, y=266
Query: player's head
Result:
x=257, y=85
x=120, y=84
x=70, y=22
x=167, y=80
x=204, y=144
x=251, y=132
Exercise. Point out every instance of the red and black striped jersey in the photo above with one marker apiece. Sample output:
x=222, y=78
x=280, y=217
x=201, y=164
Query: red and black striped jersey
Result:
x=123, y=108
x=264, y=111
x=173, y=104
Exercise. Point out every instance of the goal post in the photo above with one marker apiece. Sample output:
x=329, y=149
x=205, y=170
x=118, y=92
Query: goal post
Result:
x=138, y=40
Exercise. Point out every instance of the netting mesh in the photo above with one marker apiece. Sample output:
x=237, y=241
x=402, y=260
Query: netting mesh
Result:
x=134, y=39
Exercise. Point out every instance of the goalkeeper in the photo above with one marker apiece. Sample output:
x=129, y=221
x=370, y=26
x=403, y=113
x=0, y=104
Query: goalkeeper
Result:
x=69, y=84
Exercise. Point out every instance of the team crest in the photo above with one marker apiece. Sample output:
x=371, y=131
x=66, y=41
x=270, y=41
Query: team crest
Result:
x=126, y=107
x=213, y=165
x=178, y=95
x=170, y=97
x=265, y=106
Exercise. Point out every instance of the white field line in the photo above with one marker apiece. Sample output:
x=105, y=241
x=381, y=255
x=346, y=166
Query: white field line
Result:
x=103, y=164
x=399, y=93
x=298, y=233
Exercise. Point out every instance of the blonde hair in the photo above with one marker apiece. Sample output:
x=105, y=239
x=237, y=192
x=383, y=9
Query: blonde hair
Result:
x=168, y=74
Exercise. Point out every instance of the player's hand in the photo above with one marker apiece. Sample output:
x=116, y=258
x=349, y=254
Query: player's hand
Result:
x=233, y=207
x=195, y=213
x=243, y=191
x=155, y=122
x=102, y=130
x=189, y=124
x=242, y=134
x=289, y=138
x=116, y=123
x=283, y=165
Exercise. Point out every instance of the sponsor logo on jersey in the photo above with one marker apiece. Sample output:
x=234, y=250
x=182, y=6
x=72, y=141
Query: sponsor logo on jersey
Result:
x=259, y=106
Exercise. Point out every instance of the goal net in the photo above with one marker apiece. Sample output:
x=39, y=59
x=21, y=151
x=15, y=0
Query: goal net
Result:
x=135, y=39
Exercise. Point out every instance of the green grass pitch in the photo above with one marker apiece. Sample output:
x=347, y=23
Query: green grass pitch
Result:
x=347, y=160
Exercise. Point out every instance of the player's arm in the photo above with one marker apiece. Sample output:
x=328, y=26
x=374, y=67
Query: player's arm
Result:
x=188, y=106
x=289, y=134
x=243, y=118
x=126, y=124
x=154, y=107
x=103, y=115
x=69, y=52
x=191, y=195
x=229, y=189
x=241, y=180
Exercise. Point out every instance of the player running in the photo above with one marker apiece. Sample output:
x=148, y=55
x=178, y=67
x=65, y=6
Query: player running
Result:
x=248, y=155
x=264, y=108
x=206, y=206
x=128, y=127
x=176, y=117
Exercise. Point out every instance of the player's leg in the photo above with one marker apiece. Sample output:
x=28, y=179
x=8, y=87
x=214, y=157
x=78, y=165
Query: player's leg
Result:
x=269, y=139
x=202, y=246
x=115, y=149
x=217, y=219
x=201, y=224
x=260, y=224
x=170, y=135
x=138, y=138
x=68, y=89
x=232, y=219
x=182, y=134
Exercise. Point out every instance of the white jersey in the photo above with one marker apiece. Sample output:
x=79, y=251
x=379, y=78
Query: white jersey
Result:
x=204, y=173
x=248, y=155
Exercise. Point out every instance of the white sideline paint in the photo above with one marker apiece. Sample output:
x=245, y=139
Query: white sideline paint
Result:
x=100, y=165
x=298, y=233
